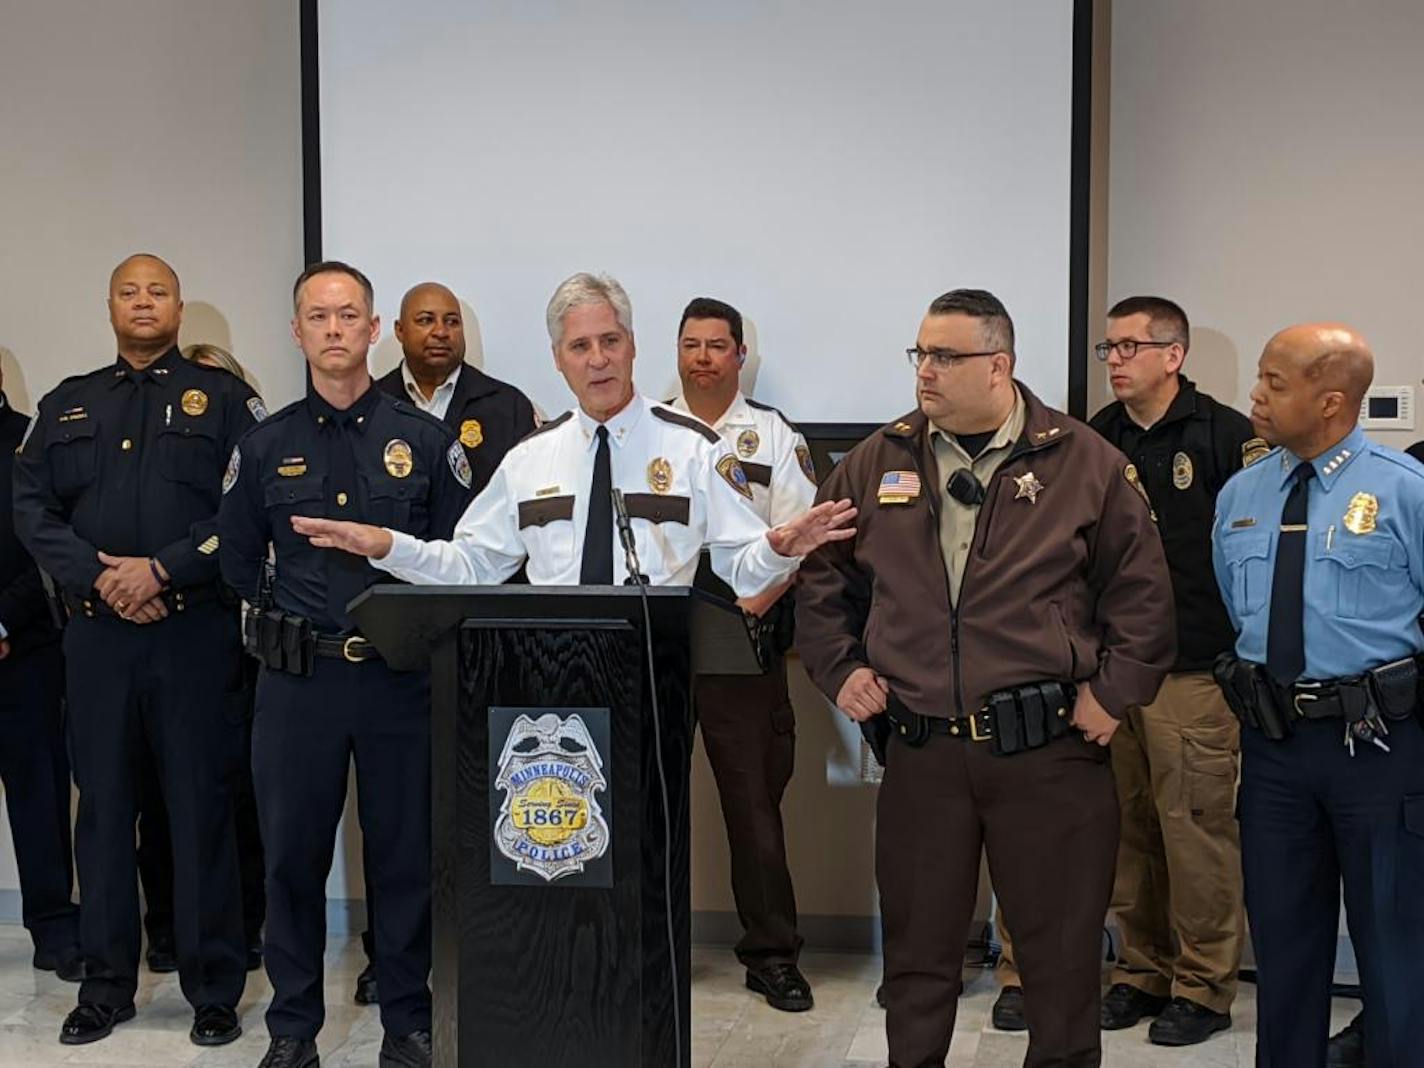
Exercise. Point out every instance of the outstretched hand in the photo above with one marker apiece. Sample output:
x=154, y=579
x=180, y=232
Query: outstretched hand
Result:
x=810, y=530
x=360, y=539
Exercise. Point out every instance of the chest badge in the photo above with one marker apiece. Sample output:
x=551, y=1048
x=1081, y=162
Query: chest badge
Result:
x=397, y=458
x=1360, y=516
x=898, y=487
x=1029, y=487
x=195, y=402
x=551, y=773
x=1182, y=471
x=660, y=475
x=748, y=441
x=472, y=435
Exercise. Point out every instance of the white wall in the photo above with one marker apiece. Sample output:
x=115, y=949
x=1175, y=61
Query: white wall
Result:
x=1267, y=167
x=172, y=126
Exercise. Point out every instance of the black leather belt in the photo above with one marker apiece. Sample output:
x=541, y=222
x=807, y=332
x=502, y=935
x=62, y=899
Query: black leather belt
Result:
x=351, y=647
x=976, y=728
x=178, y=600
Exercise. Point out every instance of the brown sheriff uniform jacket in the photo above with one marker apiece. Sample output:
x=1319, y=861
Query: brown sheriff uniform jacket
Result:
x=1064, y=581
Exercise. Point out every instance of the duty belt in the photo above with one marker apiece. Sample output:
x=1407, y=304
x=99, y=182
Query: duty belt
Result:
x=176, y=600
x=287, y=642
x=351, y=647
x=1389, y=692
x=1012, y=721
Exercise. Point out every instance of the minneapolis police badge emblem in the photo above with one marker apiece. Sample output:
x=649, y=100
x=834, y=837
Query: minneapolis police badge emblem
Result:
x=550, y=772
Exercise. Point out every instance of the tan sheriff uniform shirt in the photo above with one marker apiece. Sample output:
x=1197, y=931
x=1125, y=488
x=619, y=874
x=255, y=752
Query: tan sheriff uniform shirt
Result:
x=956, y=520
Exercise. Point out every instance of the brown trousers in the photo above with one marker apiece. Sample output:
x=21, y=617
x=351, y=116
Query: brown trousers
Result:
x=1048, y=821
x=749, y=731
x=1177, y=897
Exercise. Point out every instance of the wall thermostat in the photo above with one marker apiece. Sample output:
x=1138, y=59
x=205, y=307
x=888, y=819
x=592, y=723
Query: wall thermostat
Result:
x=1388, y=408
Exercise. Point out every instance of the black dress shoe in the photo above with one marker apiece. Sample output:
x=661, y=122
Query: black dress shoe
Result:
x=161, y=956
x=287, y=1052
x=89, y=1022
x=1185, y=1023
x=1347, y=1049
x=408, y=1051
x=783, y=986
x=1008, y=1013
x=68, y=964
x=366, y=992
x=1125, y=1006
x=214, y=1025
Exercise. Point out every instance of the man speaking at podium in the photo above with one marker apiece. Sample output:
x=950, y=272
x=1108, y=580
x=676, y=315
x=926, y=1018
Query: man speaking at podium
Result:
x=551, y=502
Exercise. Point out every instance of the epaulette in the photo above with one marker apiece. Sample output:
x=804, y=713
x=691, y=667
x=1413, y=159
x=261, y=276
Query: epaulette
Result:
x=558, y=420
x=759, y=406
x=667, y=415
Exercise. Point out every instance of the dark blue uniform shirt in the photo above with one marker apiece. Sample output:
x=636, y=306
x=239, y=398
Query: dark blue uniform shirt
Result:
x=131, y=463
x=380, y=461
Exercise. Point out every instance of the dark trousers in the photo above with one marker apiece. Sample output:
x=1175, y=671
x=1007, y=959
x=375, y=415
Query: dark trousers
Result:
x=34, y=767
x=155, y=846
x=1048, y=820
x=1311, y=816
x=306, y=733
x=749, y=731
x=156, y=693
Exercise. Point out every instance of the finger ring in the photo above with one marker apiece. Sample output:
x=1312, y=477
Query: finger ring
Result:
x=121, y=607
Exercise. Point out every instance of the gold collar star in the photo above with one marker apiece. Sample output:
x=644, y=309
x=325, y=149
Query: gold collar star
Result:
x=1028, y=486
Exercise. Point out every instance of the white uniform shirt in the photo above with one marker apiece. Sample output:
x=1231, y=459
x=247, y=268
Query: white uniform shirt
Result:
x=772, y=453
x=439, y=402
x=682, y=487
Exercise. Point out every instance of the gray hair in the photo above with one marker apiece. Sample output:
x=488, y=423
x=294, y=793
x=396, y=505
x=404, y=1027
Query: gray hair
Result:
x=584, y=288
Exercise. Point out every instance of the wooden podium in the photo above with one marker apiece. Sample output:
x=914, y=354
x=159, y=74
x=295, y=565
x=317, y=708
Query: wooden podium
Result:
x=549, y=846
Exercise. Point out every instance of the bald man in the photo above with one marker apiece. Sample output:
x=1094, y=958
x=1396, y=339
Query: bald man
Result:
x=1318, y=549
x=489, y=416
x=117, y=485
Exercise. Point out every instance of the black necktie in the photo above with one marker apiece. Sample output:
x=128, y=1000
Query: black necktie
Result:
x=1285, y=639
x=597, y=569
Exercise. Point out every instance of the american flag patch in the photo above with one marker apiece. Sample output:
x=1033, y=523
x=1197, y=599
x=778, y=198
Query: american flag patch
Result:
x=898, y=487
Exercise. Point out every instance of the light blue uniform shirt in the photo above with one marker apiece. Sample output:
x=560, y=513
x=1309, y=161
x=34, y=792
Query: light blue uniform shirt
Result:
x=1364, y=559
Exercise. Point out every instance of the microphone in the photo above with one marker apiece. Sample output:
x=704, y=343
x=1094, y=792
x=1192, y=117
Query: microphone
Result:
x=625, y=535
x=964, y=488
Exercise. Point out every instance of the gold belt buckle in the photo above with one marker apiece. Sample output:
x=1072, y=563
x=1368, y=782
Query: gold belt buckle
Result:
x=350, y=647
x=974, y=729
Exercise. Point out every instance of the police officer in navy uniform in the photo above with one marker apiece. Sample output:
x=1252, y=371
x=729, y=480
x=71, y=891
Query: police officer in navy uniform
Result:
x=34, y=765
x=489, y=416
x=116, y=494
x=324, y=696
x=1319, y=553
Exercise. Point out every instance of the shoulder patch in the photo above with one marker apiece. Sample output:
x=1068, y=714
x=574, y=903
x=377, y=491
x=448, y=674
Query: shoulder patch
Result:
x=257, y=408
x=549, y=424
x=759, y=406
x=803, y=457
x=667, y=415
x=234, y=464
x=1253, y=450
x=459, y=464
x=1135, y=481
x=732, y=472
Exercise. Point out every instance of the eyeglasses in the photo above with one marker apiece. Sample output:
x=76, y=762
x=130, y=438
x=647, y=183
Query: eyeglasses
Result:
x=1126, y=348
x=941, y=359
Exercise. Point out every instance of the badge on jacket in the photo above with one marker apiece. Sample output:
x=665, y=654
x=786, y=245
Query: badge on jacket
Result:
x=472, y=435
x=1182, y=471
x=195, y=402
x=397, y=457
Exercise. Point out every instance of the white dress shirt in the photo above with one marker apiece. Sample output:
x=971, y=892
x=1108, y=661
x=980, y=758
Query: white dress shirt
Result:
x=439, y=402
x=772, y=453
x=683, y=488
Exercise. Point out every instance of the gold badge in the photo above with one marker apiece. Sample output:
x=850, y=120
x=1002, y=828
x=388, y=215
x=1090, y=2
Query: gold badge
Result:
x=1182, y=471
x=1360, y=516
x=1135, y=481
x=803, y=457
x=195, y=402
x=397, y=458
x=472, y=435
x=735, y=477
x=1253, y=450
x=1029, y=487
x=659, y=475
x=748, y=441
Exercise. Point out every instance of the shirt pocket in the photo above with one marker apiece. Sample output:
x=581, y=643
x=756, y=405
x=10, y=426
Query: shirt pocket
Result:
x=73, y=455
x=1360, y=568
x=189, y=454
x=546, y=525
x=295, y=496
x=1248, y=570
x=398, y=503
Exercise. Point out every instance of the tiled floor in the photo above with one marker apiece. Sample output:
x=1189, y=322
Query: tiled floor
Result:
x=731, y=1028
